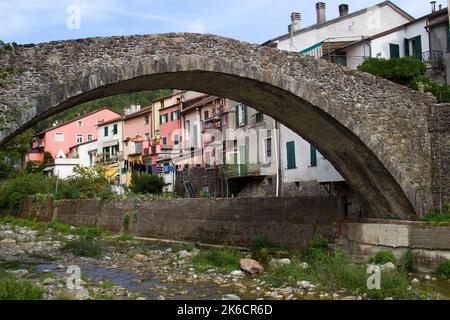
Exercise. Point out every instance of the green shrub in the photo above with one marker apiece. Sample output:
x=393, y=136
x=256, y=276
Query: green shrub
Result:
x=438, y=215
x=383, y=257
x=317, y=248
x=444, y=269
x=126, y=221
x=14, y=191
x=408, y=261
x=225, y=260
x=146, y=184
x=401, y=71
x=85, y=247
x=260, y=242
x=86, y=183
x=16, y=289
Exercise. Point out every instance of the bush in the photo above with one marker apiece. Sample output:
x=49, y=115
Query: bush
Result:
x=85, y=247
x=316, y=249
x=401, y=71
x=125, y=237
x=87, y=183
x=444, y=269
x=14, y=191
x=146, y=184
x=383, y=257
x=15, y=289
x=409, y=262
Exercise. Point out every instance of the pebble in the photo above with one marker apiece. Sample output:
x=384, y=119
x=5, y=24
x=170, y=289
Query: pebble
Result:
x=415, y=281
x=18, y=273
x=231, y=297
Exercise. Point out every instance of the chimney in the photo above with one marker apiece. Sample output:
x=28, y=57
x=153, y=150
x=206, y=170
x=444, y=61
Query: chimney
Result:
x=321, y=12
x=295, y=20
x=343, y=10
x=440, y=7
x=433, y=6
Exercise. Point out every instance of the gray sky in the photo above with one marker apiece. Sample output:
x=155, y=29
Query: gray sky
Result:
x=26, y=21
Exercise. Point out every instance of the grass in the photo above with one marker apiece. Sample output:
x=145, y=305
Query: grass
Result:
x=124, y=237
x=12, y=288
x=383, y=257
x=438, y=216
x=85, y=247
x=224, y=260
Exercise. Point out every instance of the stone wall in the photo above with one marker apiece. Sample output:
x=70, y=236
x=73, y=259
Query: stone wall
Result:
x=430, y=243
x=289, y=222
x=439, y=127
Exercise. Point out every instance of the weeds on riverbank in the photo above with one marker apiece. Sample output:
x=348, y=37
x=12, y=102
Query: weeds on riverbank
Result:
x=54, y=226
x=443, y=269
x=85, y=247
x=383, y=257
x=12, y=288
x=224, y=260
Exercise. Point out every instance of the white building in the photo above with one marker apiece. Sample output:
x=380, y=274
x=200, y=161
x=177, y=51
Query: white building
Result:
x=86, y=153
x=301, y=162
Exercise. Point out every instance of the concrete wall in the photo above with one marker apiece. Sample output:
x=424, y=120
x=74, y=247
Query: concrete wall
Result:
x=289, y=222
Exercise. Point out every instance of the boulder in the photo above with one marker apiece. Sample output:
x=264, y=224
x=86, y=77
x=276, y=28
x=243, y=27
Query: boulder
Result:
x=18, y=273
x=139, y=258
x=388, y=267
x=251, y=266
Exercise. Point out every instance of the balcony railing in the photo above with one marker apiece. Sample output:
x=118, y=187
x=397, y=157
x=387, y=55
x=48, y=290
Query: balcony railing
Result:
x=242, y=170
x=38, y=143
x=433, y=57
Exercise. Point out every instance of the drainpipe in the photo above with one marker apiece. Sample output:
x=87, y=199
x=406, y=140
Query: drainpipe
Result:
x=277, y=157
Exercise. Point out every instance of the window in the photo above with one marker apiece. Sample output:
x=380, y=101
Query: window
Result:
x=175, y=115
x=147, y=136
x=175, y=139
x=187, y=127
x=394, y=50
x=79, y=138
x=105, y=131
x=259, y=117
x=163, y=118
x=206, y=114
x=241, y=115
x=417, y=47
x=90, y=137
x=59, y=137
x=80, y=124
x=313, y=156
x=147, y=119
x=138, y=147
x=115, y=129
x=268, y=148
x=164, y=139
x=290, y=152
x=194, y=128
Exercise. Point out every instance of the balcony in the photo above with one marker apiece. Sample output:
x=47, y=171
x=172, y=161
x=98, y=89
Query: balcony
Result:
x=433, y=58
x=38, y=144
x=242, y=170
x=109, y=158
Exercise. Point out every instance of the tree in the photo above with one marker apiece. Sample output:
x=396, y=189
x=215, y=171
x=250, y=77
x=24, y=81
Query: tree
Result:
x=401, y=71
x=14, y=151
x=86, y=183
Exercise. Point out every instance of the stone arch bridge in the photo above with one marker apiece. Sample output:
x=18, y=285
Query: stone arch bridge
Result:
x=376, y=133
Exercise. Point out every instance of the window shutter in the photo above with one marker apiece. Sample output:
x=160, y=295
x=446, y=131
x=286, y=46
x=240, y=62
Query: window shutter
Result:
x=313, y=156
x=406, y=47
x=417, y=47
x=290, y=147
x=237, y=116
x=394, y=50
x=245, y=114
x=160, y=119
x=171, y=116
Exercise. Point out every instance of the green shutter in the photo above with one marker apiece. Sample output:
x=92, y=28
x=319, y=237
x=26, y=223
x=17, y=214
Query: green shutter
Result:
x=171, y=116
x=394, y=50
x=417, y=47
x=406, y=47
x=245, y=115
x=313, y=156
x=105, y=131
x=237, y=116
x=290, y=148
x=160, y=119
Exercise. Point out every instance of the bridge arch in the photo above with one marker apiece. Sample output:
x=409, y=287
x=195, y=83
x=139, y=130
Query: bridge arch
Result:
x=373, y=131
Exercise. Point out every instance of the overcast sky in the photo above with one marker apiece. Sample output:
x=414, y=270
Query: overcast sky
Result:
x=27, y=21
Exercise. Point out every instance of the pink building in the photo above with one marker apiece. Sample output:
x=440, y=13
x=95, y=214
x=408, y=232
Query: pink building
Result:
x=59, y=139
x=137, y=133
x=170, y=131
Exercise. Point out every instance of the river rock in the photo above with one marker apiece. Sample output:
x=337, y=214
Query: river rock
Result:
x=388, y=267
x=18, y=273
x=231, y=297
x=139, y=258
x=8, y=242
x=427, y=277
x=251, y=266
x=281, y=261
x=304, y=265
x=49, y=281
x=184, y=254
x=237, y=273
x=415, y=281
x=80, y=294
x=304, y=284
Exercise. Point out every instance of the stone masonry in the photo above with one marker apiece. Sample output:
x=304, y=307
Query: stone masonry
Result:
x=376, y=133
